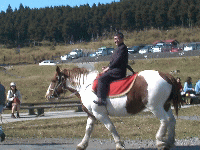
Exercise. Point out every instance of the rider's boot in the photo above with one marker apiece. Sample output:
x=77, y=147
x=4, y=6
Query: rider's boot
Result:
x=100, y=102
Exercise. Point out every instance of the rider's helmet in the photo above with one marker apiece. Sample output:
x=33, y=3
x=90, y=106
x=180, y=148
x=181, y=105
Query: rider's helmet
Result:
x=12, y=84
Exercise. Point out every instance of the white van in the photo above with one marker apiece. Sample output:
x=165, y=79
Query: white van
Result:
x=104, y=51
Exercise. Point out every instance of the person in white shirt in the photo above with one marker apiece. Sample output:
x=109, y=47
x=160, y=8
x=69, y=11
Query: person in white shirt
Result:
x=14, y=95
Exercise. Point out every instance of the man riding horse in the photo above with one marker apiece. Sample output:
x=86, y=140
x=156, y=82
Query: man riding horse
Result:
x=116, y=69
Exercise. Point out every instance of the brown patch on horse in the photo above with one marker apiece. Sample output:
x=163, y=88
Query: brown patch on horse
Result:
x=137, y=96
x=175, y=95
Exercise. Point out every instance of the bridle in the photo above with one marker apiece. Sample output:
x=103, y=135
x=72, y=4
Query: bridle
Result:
x=60, y=82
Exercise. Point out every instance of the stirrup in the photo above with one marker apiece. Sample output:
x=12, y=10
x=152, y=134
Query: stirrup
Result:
x=100, y=103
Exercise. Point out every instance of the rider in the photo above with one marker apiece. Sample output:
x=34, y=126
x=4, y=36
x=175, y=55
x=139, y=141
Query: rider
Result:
x=116, y=69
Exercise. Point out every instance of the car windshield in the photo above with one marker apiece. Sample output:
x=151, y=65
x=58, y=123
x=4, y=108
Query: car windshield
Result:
x=100, y=50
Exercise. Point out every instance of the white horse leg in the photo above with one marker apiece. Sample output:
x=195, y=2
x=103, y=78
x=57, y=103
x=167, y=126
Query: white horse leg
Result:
x=171, y=129
x=164, y=121
x=109, y=125
x=89, y=127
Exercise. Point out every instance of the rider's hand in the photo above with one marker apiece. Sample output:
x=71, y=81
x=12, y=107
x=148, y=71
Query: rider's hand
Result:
x=105, y=70
x=104, y=67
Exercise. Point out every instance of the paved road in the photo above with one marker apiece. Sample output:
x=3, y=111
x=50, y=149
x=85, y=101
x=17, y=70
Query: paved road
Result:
x=6, y=118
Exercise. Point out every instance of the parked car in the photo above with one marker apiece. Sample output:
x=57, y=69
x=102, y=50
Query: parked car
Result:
x=192, y=46
x=134, y=49
x=166, y=48
x=156, y=49
x=189, y=47
x=146, y=49
x=176, y=49
x=47, y=62
x=76, y=53
x=64, y=57
x=93, y=54
x=104, y=51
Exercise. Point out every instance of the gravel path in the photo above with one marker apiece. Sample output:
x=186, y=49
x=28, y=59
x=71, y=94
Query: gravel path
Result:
x=95, y=144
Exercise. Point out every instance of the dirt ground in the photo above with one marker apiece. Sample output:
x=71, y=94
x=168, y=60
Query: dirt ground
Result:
x=95, y=144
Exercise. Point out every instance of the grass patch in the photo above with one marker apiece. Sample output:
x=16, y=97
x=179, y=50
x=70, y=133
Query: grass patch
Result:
x=191, y=111
x=33, y=80
x=134, y=127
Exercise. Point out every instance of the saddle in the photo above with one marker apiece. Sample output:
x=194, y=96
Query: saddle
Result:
x=119, y=87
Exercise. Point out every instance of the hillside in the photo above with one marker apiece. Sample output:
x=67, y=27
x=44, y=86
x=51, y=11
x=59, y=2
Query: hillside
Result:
x=37, y=53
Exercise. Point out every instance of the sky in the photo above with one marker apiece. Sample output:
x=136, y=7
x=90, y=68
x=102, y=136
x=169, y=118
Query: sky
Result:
x=48, y=3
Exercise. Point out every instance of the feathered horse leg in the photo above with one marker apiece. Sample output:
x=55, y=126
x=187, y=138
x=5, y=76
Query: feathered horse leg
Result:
x=89, y=127
x=103, y=117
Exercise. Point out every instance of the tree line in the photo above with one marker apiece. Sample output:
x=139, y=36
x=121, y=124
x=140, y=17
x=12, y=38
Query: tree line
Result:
x=67, y=24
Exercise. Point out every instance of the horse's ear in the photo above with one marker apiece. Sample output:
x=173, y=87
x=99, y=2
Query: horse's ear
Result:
x=57, y=69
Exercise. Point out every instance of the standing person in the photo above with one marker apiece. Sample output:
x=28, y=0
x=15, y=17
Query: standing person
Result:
x=116, y=69
x=178, y=79
x=14, y=95
x=2, y=104
x=197, y=87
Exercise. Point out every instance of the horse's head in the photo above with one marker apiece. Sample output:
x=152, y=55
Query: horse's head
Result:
x=58, y=84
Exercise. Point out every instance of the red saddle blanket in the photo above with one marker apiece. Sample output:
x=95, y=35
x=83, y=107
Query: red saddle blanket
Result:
x=118, y=87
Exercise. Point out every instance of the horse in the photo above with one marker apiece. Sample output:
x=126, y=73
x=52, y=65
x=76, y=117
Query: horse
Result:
x=153, y=90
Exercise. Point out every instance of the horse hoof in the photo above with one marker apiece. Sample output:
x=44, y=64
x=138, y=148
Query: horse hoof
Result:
x=79, y=148
x=120, y=146
x=163, y=148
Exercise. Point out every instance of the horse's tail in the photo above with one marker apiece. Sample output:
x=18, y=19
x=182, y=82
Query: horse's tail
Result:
x=175, y=96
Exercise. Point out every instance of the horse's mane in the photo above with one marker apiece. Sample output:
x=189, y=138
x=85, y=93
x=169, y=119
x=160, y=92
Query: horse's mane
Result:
x=80, y=76
x=75, y=72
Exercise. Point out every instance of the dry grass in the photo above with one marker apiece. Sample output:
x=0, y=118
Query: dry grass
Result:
x=33, y=80
x=141, y=126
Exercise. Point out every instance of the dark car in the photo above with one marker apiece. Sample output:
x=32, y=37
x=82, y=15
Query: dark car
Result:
x=166, y=48
x=134, y=49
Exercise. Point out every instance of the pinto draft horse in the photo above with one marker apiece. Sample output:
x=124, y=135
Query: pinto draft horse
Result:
x=153, y=90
